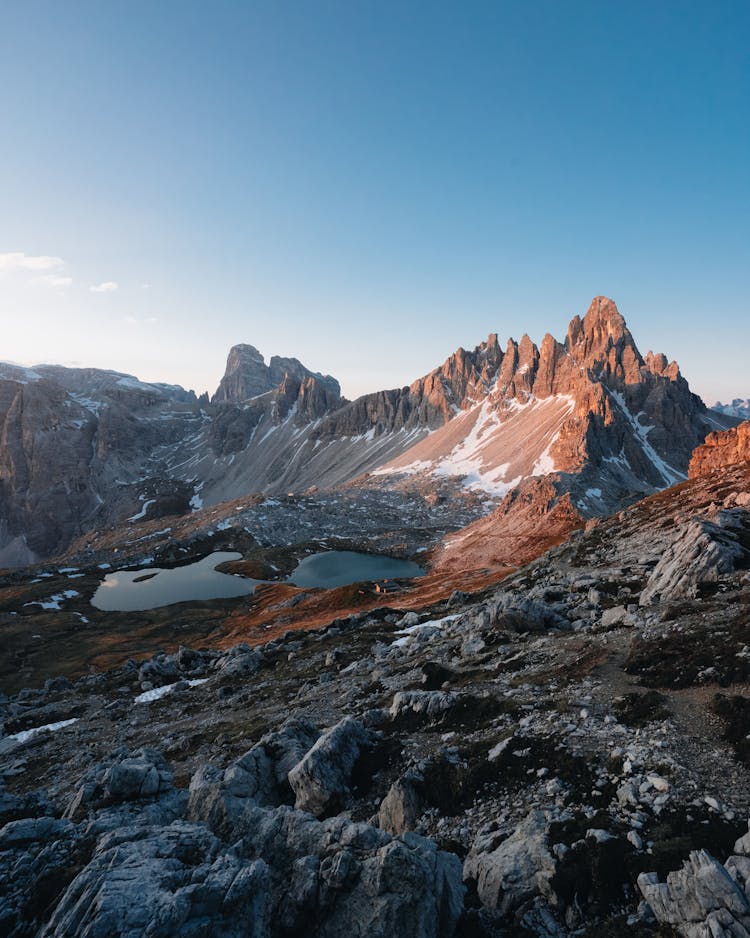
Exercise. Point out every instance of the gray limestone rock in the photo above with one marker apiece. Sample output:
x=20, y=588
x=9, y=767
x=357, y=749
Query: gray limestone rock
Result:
x=336, y=878
x=35, y=854
x=160, y=670
x=132, y=776
x=703, y=551
x=239, y=660
x=701, y=900
x=431, y=704
x=164, y=881
x=320, y=780
x=402, y=806
x=520, y=614
x=259, y=777
x=512, y=870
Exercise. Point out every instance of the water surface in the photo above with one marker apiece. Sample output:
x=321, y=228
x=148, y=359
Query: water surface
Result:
x=151, y=587
x=134, y=590
x=341, y=567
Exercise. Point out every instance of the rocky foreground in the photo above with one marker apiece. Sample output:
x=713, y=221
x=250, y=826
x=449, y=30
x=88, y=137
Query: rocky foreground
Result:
x=565, y=754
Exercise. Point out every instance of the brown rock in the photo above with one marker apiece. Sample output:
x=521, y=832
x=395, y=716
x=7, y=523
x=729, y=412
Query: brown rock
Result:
x=721, y=449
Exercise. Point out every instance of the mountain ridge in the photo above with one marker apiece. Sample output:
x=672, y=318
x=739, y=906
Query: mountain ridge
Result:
x=589, y=409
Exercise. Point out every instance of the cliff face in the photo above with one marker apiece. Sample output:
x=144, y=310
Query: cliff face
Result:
x=72, y=444
x=247, y=376
x=720, y=450
x=252, y=393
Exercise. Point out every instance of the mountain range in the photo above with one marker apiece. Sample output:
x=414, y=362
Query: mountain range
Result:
x=591, y=417
x=738, y=408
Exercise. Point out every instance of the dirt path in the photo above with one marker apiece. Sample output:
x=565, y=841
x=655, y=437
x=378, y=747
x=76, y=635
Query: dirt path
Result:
x=698, y=740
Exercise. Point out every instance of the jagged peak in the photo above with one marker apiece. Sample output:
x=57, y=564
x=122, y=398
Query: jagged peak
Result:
x=603, y=314
x=491, y=342
x=526, y=348
x=243, y=351
x=602, y=341
x=247, y=375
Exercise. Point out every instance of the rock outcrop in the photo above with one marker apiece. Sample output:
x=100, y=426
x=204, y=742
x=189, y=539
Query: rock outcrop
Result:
x=247, y=376
x=320, y=780
x=703, y=899
x=721, y=449
x=520, y=866
x=703, y=550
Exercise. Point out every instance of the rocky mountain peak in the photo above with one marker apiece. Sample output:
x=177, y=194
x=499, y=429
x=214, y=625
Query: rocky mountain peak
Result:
x=603, y=316
x=738, y=408
x=658, y=364
x=247, y=376
x=589, y=408
x=602, y=342
x=243, y=355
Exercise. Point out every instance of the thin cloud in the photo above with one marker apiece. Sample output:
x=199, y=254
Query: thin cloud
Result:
x=108, y=286
x=135, y=321
x=17, y=260
x=53, y=280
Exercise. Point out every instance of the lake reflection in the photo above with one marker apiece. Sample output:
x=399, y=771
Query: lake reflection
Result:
x=341, y=567
x=151, y=587
x=133, y=590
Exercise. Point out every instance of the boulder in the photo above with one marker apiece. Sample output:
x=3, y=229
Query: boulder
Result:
x=131, y=776
x=403, y=805
x=241, y=660
x=259, y=777
x=509, y=871
x=702, y=551
x=431, y=704
x=320, y=780
x=159, y=671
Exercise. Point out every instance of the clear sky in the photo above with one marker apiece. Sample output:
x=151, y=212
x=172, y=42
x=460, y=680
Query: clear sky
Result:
x=368, y=185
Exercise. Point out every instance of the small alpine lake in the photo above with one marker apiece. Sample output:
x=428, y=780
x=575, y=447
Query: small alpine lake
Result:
x=332, y=568
x=151, y=587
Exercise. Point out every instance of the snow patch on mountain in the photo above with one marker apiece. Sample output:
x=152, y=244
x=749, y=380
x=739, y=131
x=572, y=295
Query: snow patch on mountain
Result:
x=492, y=447
x=641, y=431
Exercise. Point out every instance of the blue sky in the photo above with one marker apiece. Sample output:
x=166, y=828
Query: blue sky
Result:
x=368, y=185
